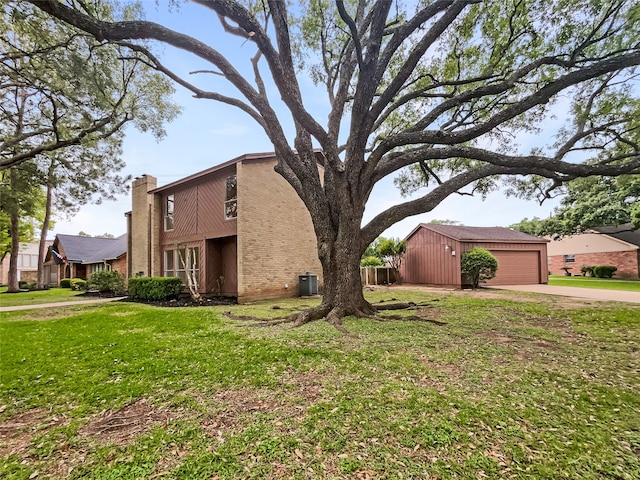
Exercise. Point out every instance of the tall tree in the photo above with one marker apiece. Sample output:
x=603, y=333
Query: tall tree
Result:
x=444, y=85
x=67, y=99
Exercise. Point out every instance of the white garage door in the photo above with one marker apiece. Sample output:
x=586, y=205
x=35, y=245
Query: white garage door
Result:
x=516, y=268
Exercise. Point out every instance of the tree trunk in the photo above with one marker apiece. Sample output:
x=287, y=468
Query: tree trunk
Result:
x=342, y=286
x=15, y=251
x=43, y=238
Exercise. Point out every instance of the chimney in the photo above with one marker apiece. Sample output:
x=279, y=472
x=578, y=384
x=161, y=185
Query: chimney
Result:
x=140, y=234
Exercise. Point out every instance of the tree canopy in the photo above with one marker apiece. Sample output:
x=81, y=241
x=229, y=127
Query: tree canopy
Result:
x=67, y=99
x=590, y=203
x=439, y=89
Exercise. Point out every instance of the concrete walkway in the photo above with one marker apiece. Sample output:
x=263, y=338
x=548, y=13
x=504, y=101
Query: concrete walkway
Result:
x=589, y=293
x=59, y=304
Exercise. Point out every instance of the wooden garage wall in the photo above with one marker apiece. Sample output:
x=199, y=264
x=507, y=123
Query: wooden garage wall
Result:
x=429, y=261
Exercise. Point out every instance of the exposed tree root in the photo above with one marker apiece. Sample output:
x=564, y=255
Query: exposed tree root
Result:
x=400, y=306
x=334, y=316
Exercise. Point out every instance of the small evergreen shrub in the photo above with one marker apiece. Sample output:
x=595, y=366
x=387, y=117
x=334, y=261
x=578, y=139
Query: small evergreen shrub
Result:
x=155, y=288
x=26, y=285
x=78, y=284
x=479, y=265
x=604, y=271
x=65, y=283
x=107, y=281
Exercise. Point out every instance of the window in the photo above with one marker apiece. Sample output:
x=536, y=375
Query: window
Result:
x=178, y=262
x=168, y=212
x=569, y=259
x=231, y=203
x=169, y=263
x=98, y=267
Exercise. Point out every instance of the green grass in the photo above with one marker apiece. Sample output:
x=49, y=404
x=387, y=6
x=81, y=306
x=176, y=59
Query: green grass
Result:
x=628, y=285
x=52, y=295
x=506, y=389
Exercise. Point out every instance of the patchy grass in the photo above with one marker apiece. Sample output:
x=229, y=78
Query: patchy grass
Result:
x=506, y=389
x=52, y=295
x=628, y=285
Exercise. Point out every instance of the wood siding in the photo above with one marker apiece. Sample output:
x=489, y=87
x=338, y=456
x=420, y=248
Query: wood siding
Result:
x=199, y=210
x=429, y=260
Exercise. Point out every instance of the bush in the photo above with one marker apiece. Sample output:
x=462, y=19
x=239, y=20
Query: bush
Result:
x=604, y=271
x=107, y=281
x=78, y=284
x=587, y=270
x=155, y=288
x=65, y=283
x=371, y=261
x=26, y=285
x=479, y=265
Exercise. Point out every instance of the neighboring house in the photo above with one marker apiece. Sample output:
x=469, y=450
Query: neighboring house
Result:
x=434, y=253
x=247, y=230
x=75, y=256
x=618, y=246
x=27, y=263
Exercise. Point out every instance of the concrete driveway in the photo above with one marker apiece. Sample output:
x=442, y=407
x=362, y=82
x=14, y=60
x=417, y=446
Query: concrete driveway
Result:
x=589, y=293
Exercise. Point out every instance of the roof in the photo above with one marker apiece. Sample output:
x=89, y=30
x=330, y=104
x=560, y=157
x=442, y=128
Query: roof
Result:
x=79, y=249
x=242, y=158
x=480, y=234
x=622, y=232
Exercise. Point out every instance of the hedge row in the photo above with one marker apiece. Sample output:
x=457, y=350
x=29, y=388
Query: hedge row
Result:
x=154, y=288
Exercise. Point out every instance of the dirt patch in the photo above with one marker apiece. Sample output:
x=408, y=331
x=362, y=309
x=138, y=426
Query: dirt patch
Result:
x=123, y=425
x=17, y=432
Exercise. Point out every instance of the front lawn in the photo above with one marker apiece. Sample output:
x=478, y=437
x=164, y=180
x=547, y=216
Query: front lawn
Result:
x=629, y=285
x=507, y=388
x=53, y=295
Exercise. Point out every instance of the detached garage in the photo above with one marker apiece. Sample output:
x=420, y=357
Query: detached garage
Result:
x=434, y=251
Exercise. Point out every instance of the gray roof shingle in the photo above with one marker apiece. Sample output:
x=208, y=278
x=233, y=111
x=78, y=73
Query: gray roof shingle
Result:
x=79, y=249
x=483, y=234
x=622, y=232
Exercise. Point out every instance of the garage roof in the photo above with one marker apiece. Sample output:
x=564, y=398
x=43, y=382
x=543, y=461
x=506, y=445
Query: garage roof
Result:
x=480, y=234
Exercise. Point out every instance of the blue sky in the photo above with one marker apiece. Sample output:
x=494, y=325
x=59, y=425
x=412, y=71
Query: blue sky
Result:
x=208, y=133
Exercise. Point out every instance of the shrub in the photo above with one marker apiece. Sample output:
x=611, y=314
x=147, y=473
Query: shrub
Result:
x=26, y=285
x=107, y=281
x=78, y=284
x=155, y=288
x=370, y=261
x=604, y=271
x=65, y=283
x=587, y=270
x=479, y=265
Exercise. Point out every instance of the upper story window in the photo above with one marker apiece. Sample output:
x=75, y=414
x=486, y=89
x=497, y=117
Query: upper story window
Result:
x=168, y=212
x=231, y=202
x=569, y=259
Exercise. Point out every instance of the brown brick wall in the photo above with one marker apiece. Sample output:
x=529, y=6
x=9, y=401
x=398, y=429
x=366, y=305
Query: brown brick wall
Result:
x=276, y=241
x=120, y=265
x=627, y=263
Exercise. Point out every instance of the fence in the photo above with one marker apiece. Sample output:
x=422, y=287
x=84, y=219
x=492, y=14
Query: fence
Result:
x=378, y=275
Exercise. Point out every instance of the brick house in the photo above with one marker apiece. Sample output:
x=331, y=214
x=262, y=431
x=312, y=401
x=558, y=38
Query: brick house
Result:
x=27, y=262
x=434, y=252
x=238, y=226
x=618, y=246
x=76, y=256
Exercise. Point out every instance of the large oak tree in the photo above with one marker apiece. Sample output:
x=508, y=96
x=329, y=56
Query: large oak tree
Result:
x=445, y=85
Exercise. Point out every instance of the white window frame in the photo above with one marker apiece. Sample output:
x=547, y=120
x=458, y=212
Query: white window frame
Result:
x=169, y=210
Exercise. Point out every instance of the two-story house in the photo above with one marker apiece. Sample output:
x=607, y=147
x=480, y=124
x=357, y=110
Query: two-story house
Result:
x=239, y=227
